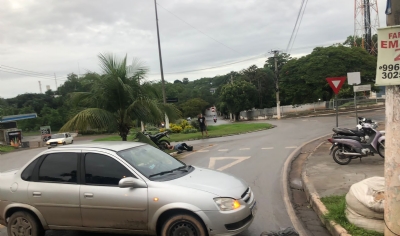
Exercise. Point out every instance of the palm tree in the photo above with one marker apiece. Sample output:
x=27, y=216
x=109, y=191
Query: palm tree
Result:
x=117, y=98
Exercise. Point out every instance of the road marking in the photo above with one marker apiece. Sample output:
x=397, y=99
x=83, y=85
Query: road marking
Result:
x=244, y=149
x=267, y=148
x=211, y=165
x=223, y=150
x=292, y=147
x=203, y=150
x=304, y=120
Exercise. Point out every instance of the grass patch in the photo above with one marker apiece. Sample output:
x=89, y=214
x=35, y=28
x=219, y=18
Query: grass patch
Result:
x=336, y=206
x=213, y=131
x=6, y=148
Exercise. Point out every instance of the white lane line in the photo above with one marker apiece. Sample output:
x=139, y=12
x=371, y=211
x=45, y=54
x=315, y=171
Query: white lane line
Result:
x=267, y=148
x=211, y=165
x=292, y=147
x=244, y=149
x=203, y=150
x=223, y=150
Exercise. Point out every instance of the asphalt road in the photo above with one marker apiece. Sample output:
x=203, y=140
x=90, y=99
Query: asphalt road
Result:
x=255, y=157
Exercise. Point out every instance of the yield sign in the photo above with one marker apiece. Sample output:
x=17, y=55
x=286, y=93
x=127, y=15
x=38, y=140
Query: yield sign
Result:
x=336, y=83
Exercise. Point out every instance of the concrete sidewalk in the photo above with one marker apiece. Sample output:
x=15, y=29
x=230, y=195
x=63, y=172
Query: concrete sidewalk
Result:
x=321, y=176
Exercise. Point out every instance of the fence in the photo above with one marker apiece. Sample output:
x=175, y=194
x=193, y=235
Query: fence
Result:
x=310, y=107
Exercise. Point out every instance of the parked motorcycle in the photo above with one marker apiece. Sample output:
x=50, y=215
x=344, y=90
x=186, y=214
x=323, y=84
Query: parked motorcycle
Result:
x=343, y=150
x=158, y=139
x=358, y=133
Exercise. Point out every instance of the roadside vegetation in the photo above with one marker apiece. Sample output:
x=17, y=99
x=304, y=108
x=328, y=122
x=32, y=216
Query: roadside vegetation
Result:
x=213, y=131
x=336, y=206
x=4, y=148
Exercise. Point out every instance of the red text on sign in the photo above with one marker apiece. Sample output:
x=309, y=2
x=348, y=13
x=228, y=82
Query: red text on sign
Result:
x=390, y=44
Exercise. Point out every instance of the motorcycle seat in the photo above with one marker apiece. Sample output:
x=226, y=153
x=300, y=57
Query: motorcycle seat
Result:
x=357, y=138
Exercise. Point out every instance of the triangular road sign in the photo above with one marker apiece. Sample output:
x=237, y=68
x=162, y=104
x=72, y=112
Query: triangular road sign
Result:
x=237, y=160
x=336, y=83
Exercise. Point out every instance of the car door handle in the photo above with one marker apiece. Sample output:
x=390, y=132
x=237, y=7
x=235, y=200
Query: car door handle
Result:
x=37, y=194
x=88, y=195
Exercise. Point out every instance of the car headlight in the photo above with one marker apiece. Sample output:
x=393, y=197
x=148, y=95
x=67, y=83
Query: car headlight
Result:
x=48, y=143
x=227, y=204
x=60, y=142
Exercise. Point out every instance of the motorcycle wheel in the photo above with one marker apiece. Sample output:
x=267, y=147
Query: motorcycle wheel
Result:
x=381, y=149
x=340, y=158
x=162, y=144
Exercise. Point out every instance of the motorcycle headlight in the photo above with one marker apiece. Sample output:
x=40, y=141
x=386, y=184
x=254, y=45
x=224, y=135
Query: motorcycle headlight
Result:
x=227, y=204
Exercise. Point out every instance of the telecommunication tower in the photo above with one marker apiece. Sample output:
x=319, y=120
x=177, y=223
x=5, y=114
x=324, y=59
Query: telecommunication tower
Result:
x=366, y=22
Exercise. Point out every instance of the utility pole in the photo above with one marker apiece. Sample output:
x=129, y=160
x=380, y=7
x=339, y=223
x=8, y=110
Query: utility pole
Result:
x=392, y=146
x=40, y=87
x=55, y=78
x=278, y=103
x=161, y=66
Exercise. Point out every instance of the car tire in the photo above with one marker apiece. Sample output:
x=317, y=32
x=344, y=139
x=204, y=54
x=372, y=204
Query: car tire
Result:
x=64, y=143
x=183, y=224
x=24, y=223
x=72, y=141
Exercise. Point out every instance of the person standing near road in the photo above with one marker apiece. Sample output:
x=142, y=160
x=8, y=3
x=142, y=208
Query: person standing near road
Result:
x=203, y=125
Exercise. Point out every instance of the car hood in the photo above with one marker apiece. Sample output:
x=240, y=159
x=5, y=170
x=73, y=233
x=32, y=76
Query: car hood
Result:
x=56, y=140
x=218, y=183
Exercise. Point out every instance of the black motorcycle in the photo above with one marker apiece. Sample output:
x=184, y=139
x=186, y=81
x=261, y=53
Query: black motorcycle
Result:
x=158, y=139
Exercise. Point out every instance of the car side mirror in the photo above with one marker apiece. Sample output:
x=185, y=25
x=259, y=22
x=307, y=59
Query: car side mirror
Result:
x=131, y=182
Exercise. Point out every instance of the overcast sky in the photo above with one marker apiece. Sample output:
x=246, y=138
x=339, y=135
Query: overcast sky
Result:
x=62, y=37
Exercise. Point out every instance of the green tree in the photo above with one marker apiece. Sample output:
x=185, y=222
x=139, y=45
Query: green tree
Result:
x=303, y=80
x=185, y=80
x=239, y=96
x=193, y=107
x=116, y=99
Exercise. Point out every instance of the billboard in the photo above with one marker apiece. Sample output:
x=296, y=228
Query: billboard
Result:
x=45, y=132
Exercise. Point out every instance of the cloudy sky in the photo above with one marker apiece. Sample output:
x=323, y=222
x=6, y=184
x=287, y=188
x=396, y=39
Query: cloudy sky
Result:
x=60, y=37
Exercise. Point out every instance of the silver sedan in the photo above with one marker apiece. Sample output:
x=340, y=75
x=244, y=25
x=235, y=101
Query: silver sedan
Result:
x=122, y=187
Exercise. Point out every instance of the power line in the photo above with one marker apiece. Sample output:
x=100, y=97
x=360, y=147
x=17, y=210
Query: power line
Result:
x=213, y=67
x=33, y=72
x=298, y=27
x=26, y=74
x=198, y=29
x=295, y=25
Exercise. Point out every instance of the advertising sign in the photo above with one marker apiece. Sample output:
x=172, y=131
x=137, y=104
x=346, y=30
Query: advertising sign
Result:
x=362, y=88
x=45, y=132
x=388, y=67
x=14, y=138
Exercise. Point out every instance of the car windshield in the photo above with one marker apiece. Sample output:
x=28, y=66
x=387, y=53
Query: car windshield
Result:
x=58, y=136
x=150, y=161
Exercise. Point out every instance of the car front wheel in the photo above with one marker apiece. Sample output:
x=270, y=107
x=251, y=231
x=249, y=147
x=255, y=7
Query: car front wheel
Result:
x=183, y=225
x=23, y=223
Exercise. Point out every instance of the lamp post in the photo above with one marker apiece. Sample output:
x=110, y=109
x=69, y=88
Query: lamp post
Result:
x=319, y=99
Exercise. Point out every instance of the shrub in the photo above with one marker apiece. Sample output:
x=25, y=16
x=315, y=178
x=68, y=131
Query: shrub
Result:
x=189, y=130
x=195, y=124
x=176, y=129
x=184, y=124
x=162, y=129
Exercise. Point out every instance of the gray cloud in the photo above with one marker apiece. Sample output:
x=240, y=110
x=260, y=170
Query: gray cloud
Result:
x=66, y=36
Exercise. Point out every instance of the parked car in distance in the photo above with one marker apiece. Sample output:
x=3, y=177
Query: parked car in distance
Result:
x=61, y=138
x=122, y=187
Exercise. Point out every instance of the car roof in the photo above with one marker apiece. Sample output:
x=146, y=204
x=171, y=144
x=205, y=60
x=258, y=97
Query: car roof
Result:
x=115, y=146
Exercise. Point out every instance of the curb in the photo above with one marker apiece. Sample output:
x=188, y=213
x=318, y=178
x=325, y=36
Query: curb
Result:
x=317, y=205
x=297, y=223
x=334, y=113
